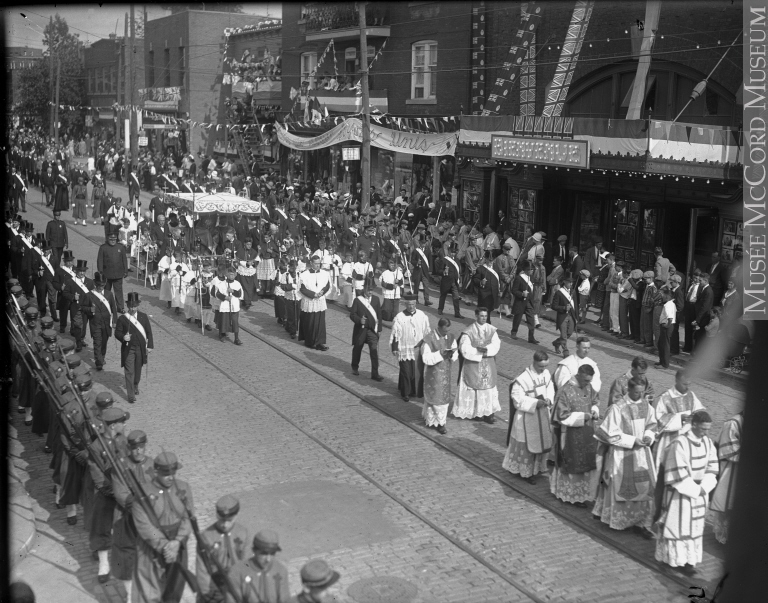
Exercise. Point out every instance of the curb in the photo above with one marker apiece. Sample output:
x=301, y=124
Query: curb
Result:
x=23, y=530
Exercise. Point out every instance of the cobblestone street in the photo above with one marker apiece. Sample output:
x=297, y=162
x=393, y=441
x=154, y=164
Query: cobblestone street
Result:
x=343, y=469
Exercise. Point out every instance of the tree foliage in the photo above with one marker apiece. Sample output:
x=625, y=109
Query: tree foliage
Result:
x=35, y=82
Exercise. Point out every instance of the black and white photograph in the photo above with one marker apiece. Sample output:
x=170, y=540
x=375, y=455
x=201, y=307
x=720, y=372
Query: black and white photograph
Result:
x=284, y=321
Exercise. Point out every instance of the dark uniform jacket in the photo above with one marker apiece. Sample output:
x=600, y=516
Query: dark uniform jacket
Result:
x=72, y=288
x=100, y=316
x=357, y=313
x=56, y=233
x=112, y=261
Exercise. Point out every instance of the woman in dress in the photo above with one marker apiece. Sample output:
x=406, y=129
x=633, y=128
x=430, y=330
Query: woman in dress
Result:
x=61, y=200
x=96, y=196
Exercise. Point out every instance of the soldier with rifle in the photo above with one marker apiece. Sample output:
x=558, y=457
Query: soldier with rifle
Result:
x=262, y=578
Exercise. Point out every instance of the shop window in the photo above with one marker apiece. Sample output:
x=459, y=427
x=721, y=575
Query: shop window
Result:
x=471, y=200
x=590, y=222
x=308, y=66
x=521, y=212
x=167, y=67
x=424, y=68
x=628, y=230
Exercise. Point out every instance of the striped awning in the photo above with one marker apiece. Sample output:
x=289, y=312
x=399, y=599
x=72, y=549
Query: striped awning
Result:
x=349, y=101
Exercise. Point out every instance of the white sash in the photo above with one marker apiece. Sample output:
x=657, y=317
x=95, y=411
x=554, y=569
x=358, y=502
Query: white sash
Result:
x=368, y=305
x=281, y=212
x=567, y=296
x=134, y=321
x=64, y=179
x=458, y=271
x=395, y=245
x=423, y=257
x=104, y=301
x=80, y=284
x=45, y=261
x=26, y=242
x=493, y=272
x=14, y=231
x=22, y=182
x=319, y=223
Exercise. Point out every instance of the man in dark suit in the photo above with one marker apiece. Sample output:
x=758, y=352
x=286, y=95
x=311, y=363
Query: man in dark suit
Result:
x=689, y=309
x=449, y=283
x=134, y=332
x=594, y=263
x=43, y=273
x=366, y=314
x=64, y=273
x=576, y=264
x=101, y=309
x=522, y=293
x=112, y=264
x=420, y=264
x=487, y=284
x=75, y=295
x=48, y=185
x=718, y=278
x=704, y=303
x=566, y=317
x=57, y=237
x=134, y=187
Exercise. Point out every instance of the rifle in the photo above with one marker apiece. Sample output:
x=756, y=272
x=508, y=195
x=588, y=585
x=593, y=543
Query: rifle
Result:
x=212, y=564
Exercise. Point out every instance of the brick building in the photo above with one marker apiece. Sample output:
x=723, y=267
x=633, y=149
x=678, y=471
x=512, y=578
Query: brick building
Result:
x=410, y=78
x=106, y=70
x=16, y=59
x=650, y=182
x=184, y=60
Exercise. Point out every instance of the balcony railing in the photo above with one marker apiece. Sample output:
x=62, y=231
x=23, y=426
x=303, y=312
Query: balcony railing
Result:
x=343, y=15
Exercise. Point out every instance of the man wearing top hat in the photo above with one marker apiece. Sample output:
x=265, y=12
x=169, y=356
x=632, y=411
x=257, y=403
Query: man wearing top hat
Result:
x=261, y=578
x=64, y=273
x=366, y=314
x=134, y=332
x=101, y=308
x=24, y=253
x=43, y=275
x=225, y=540
x=316, y=579
x=112, y=264
x=57, y=236
x=123, y=553
x=161, y=546
x=75, y=294
x=449, y=283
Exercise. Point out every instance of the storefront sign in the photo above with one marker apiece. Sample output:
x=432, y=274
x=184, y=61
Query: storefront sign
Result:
x=546, y=151
x=143, y=141
x=350, y=153
x=415, y=143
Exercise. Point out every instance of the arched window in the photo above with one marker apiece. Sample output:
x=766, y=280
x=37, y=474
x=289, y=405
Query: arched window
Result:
x=606, y=93
x=423, y=69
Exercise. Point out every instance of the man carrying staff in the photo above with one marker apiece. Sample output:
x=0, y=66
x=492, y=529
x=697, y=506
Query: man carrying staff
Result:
x=438, y=354
x=408, y=331
x=478, y=397
x=134, y=332
x=76, y=294
x=313, y=285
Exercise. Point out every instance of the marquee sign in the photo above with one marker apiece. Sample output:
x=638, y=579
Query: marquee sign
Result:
x=545, y=151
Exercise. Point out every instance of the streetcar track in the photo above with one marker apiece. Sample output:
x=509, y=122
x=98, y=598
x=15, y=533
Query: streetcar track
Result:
x=542, y=501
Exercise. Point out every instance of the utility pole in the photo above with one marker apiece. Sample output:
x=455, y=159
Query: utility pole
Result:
x=365, y=157
x=132, y=86
x=50, y=74
x=120, y=78
x=56, y=106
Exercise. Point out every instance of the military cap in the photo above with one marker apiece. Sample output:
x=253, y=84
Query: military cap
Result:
x=114, y=415
x=83, y=369
x=317, y=574
x=73, y=361
x=137, y=438
x=227, y=506
x=31, y=313
x=266, y=541
x=83, y=382
x=104, y=400
x=16, y=291
x=12, y=282
x=49, y=335
x=46, y=322
x=166, y=463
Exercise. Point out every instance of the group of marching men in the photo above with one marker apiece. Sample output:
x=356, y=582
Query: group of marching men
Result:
x=648, y=464
x=138, y=514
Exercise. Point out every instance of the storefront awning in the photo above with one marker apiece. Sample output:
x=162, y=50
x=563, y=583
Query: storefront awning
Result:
x=613, y=137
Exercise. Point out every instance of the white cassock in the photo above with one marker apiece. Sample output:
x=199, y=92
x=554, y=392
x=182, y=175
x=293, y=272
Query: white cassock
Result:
x=477, y=395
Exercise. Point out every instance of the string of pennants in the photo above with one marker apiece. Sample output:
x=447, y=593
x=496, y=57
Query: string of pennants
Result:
x=314, y=71
x=166, y=119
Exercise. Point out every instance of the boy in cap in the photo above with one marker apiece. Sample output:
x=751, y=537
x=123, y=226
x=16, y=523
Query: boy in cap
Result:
x=134, y=332
x=160, y=547
x=316, y=578
x=123, y=553
x=262, y=578
x=226, y=541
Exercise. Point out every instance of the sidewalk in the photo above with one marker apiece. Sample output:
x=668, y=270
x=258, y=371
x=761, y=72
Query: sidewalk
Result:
x=20, y=510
